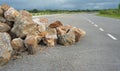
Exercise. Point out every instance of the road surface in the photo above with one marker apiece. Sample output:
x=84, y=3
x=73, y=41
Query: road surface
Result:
x=99, y=50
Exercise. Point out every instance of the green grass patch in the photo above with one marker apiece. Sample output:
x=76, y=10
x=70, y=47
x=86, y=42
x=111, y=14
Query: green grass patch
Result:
x=111, y=16
x=113, y=13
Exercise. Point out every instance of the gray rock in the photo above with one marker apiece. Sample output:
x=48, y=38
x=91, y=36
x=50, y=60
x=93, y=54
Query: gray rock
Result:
x=1, y=11
x=11, y=14
x=4, y=27
x=67, y=38
x=5, y=48
x=2, y=19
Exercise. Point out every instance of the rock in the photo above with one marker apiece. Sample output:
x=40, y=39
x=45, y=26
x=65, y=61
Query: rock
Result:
x=43, y=20
x=5, y=48
x=2, y=19
x=11, y=14
x=5, y=7
x=4, y=27
x=51, y=37
x=1, y=11
x=55, y=24
x=67, y=38
x=79, y=33
x=23, y=26
x=31, y=43
x=41, y=26
x=26, y=13
x=17, y=44
x=63, y=30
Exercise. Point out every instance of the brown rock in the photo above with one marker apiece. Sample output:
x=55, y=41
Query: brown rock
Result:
x=11, y=14
x=5, y=7
x=63, y=30
x=4, y=27
x=55, y=24
x=1, y=11
x=31, y=43
x=23, y=26
x=51, y=37
x=17, y=44
x=26, y=13
x=79, y=33
x=5, y=48
x=43, y=20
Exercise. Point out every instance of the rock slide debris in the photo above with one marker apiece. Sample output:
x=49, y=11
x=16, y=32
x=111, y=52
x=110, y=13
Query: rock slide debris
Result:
x=20, y=33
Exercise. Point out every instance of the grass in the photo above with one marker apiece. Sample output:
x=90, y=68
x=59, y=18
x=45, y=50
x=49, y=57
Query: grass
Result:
x=49, y=13
x=111, y=16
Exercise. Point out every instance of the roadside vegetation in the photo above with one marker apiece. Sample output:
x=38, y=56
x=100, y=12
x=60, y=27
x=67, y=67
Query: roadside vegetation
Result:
x=114, y=13
x=36, y=12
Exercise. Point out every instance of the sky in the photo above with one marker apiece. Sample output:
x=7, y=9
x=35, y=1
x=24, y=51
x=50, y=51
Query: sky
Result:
x=61, y=4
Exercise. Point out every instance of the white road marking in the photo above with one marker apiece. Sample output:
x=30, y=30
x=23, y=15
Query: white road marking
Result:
x=111, y=36
x=96, y=25
x=101, y=29
x=92, y=22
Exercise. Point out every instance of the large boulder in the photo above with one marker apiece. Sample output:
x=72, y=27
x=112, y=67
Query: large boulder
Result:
x=17, y=44
x=55, y=24
x=67, y=39
x=41, y=25
x=4, y=27
x=43, y=20
x=79, y=33
x=5, y=7
x=11, y=14
x=51, y=37
x=1, y=11
x=23, y=26
x=5, y=48
x=2, y=19
x=63, y=29
x=25, y=13
x=31, y=43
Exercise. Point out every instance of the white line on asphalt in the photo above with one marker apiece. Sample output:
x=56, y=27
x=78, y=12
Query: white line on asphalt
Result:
x=101, y=29
x=111, y=36
x=92, y=22
x=96, y=25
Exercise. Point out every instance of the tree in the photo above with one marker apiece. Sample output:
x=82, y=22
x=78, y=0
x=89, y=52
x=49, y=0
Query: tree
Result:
x=119, y=6
x=35, y=11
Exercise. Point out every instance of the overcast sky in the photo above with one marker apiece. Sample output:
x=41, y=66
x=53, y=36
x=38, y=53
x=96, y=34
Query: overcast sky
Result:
x=62, y=4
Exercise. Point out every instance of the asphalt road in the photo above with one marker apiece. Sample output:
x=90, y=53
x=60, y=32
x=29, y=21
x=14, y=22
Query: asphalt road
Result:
x=99, y=50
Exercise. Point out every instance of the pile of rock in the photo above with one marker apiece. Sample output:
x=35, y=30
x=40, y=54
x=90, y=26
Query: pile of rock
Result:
x=19, y=32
